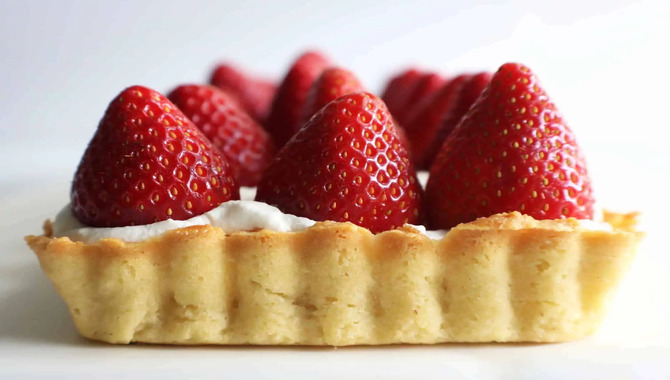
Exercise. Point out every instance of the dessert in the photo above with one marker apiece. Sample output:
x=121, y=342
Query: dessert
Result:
x=507, y=278
x=338, y=271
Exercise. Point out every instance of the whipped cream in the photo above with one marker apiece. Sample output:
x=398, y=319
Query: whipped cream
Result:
x=231, y=216
x=243, y=215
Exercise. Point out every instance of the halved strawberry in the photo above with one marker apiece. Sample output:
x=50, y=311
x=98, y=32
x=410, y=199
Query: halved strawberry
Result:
x=245, y=144
x=333, y=83
x=147, y=162
x=285, y=115
x=434, y=119
x=510, y=152
x=346, y=164
x=254, y=94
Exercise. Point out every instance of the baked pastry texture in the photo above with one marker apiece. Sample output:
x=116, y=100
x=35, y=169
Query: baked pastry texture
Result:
x=505, y=278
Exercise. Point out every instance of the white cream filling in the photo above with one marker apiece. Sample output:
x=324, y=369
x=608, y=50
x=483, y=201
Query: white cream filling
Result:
x=231, y=216
x=243, y=215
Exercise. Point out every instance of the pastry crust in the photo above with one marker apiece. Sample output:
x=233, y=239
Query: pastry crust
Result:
x=506, y=278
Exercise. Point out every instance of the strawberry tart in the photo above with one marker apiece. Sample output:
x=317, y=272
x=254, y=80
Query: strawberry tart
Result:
x=336, y=241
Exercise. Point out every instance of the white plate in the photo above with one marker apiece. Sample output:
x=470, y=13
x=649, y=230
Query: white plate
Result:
x=38, y=340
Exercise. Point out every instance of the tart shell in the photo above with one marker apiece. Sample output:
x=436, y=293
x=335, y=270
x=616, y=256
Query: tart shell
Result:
x=505, y=278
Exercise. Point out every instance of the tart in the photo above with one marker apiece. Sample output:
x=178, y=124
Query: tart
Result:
x=505, y=278
x=332, y=250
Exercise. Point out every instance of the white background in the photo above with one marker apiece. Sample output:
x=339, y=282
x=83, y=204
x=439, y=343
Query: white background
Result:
x=604, y=64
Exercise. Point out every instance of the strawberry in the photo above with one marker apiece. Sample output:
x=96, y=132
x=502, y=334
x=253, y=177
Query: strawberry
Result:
x=286, y=111
x=254, y=94
x=346, y=164
x=433, y=120
x=471, y=90
x=402, y=136
x=426, y=86
x=245, y=144
x=333, y=83
x=398, y=90
x=147, y=162
x=510, y=152
x=330, y=85
x=426, y=117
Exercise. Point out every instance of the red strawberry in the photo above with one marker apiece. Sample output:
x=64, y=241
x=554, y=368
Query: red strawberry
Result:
x=254, y=94
x=510, y=152
x=426, y=117
x=330, y=85
x=470, y=92
x=398, y=90
x=346, y=164
x=433, y=120
x=426, y=86
x=245, y=144
x=402, y=136
x=147, y=162
x=286, y=112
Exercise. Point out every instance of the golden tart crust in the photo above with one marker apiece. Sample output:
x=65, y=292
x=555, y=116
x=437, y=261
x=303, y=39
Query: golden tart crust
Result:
x=506, y=278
